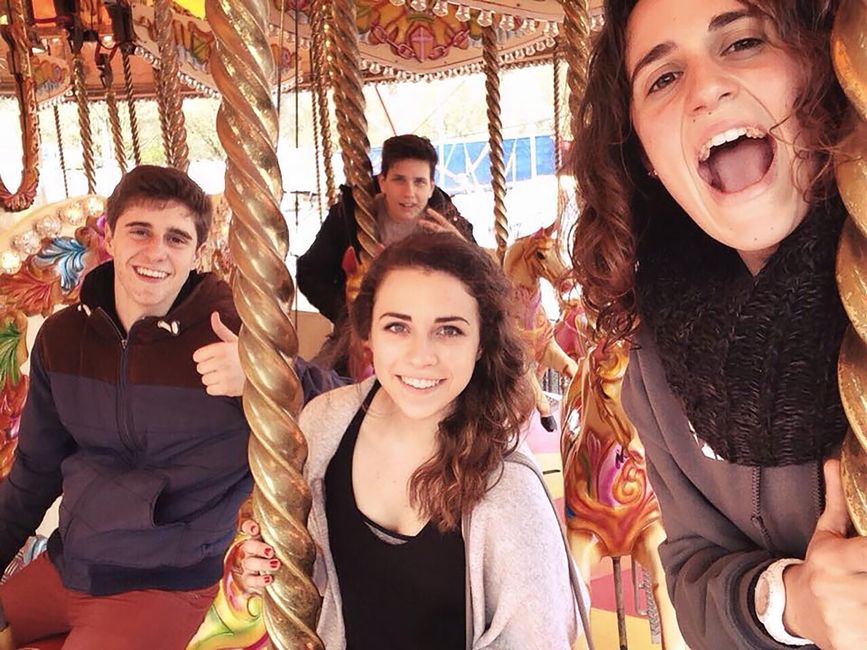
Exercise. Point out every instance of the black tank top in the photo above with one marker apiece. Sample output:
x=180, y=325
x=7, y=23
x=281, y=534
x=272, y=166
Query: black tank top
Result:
x=404, y=594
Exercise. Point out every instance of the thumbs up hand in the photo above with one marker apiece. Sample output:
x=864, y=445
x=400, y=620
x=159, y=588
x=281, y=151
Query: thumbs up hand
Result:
x=219, y=363
x=826, y=597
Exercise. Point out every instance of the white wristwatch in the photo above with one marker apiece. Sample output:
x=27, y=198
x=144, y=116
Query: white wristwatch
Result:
x=770, y=602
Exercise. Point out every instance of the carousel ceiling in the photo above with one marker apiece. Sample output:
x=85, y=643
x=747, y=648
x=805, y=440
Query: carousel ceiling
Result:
x=398, y=40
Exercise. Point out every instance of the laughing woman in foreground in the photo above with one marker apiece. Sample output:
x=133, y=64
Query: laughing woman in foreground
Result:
x=711, y=215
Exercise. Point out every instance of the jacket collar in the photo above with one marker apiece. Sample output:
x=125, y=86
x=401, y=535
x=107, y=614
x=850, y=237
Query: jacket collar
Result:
x=200, y=295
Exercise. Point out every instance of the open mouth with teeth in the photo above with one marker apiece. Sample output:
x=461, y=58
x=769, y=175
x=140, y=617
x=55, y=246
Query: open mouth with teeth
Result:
x=420, y=384
x=734, y=160
x=151, y=274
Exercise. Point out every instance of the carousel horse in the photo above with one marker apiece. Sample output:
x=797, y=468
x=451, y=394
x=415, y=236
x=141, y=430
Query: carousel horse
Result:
x=573, y=332
x=611, y=510
x=526, y=261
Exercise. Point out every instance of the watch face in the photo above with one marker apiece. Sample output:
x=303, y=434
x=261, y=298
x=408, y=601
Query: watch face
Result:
x=762, y=590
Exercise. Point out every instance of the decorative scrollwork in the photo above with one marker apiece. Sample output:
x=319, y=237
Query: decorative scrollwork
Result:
x=15, y=35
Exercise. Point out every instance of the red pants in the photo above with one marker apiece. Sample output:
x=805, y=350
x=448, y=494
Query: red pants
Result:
x=37, y=605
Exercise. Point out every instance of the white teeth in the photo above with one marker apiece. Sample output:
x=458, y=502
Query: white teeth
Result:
x=150, y=273
x=420, y=383
x=729, y=135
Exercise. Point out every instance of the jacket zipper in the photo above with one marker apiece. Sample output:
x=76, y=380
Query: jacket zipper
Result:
x=124, y=428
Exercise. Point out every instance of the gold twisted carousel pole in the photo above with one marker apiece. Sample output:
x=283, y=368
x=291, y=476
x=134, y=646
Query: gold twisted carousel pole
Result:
x=162, y=112
x=321, y=81
x=130, y=103
x=170, y=85
x=59, y=132
x=576, y=37
x=80, y=91
x=247, y=126
x=558, y=119
x=18, y=63
x=849, y=48
x=491, y=57
x=352, y=123
x=106, y=76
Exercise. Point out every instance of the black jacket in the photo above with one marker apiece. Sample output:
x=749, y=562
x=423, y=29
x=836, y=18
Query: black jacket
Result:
x=320, y=273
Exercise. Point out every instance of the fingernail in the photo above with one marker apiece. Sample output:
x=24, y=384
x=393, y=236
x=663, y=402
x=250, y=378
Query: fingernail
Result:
x=269, y=580
x=254, y=530
x=274, y=564
x=268, y=552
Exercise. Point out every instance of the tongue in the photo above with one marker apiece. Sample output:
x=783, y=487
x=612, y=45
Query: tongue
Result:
x=737, y=165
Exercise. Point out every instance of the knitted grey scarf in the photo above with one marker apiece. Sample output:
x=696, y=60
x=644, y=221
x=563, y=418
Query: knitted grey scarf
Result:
x=753, y=359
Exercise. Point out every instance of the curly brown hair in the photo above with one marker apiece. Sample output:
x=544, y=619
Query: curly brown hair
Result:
x=615, y=192
x=482, y=428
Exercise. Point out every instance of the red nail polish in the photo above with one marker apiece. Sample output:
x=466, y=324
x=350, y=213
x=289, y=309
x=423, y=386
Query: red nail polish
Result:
x=268, y=552
x=274, y=564
x=269, y=580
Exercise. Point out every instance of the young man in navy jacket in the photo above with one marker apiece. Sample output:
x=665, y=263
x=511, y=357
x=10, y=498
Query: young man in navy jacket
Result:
x=151, y=467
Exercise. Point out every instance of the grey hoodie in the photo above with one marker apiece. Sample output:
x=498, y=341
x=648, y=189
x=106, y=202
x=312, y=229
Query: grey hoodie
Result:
x=520, y=580
x=725, y=523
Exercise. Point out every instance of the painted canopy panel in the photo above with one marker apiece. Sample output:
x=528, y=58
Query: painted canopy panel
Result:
x=417, y=37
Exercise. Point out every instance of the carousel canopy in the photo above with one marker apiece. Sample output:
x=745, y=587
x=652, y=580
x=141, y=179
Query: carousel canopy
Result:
x=398, y=39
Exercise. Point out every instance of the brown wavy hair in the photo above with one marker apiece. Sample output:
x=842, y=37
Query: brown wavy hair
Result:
x=616, y=194
x=482, y=429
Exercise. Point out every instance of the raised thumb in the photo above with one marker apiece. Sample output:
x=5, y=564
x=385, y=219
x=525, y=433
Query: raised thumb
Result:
x=223, y=333
x=835, y=518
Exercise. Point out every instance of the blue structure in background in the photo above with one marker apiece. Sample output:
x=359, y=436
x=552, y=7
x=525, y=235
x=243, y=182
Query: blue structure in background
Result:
x=465, y=166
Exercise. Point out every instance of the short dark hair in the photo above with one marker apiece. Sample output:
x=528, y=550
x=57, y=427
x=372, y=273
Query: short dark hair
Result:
x=151, y=184
x=482, y=429
x=408, y=147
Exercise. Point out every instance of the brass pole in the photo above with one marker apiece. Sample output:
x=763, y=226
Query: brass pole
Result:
x=247, y=126
x=60, y=153
x=321, y=80
x=576, y=34
x=162, y=111
x=491, y=57
x=80, y=91
x=170, y=85
x=130, y=103
x=106, y=76
x=849, y=49
x=352, y=123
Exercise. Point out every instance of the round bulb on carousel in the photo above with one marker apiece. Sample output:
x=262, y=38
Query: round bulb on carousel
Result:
x=441, y=8
x=26, y=243
x=49, y=226
x=10, y=262
x=486, y=18
x=95, y=206
x=418, y=5
x=463, y=14
x=398, y=3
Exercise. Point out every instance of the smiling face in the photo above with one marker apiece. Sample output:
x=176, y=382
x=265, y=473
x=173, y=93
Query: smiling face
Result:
x=154, y=249
x=424, y=337
x=407, y=187
x=712, y=98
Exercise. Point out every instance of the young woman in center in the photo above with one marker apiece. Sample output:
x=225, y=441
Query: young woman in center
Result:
x=433, y=524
